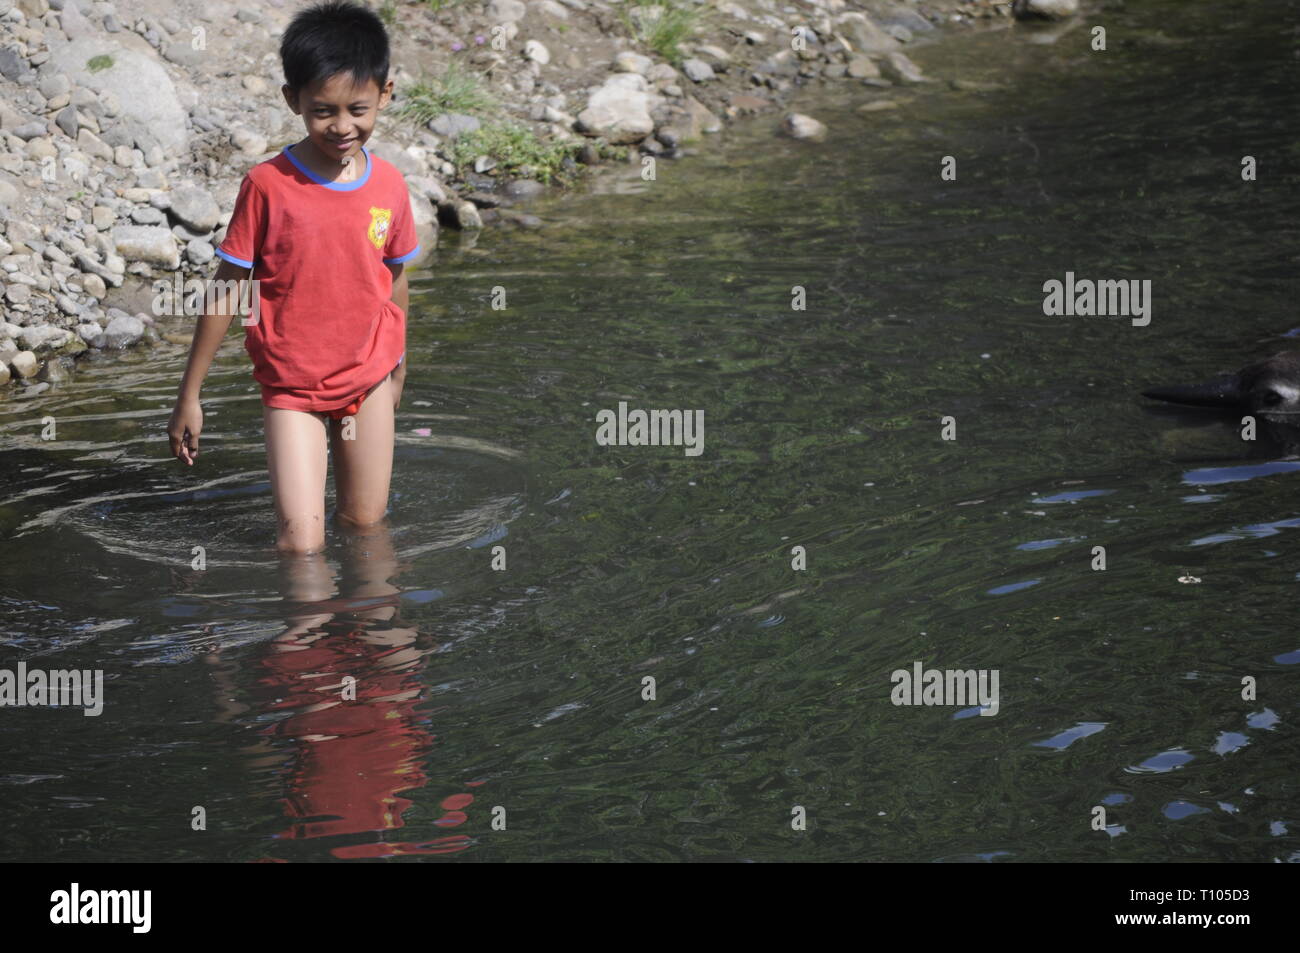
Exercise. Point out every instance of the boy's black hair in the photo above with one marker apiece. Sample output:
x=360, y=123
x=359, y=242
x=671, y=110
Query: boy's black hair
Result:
x=331, y=38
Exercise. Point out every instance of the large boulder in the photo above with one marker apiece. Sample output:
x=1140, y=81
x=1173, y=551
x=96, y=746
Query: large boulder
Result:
x=151, y=244
x=619, y=110
x=863, y=33
x=1044, y=9
x=137, y=80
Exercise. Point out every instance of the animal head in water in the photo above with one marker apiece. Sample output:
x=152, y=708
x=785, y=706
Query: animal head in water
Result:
x=1271, y=386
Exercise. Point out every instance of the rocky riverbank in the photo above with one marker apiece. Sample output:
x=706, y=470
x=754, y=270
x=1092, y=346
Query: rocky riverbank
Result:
x=125, y=128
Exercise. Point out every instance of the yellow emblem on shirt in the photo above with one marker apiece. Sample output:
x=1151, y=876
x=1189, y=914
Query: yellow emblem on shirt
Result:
x=380, y=219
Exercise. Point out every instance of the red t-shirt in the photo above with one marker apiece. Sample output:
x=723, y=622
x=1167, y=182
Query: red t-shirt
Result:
x=328, y=329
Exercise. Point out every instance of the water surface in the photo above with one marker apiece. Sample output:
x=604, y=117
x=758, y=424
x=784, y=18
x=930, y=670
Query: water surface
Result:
x=520, y=691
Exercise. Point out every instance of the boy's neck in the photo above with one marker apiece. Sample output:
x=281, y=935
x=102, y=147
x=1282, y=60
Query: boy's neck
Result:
x=329, y=169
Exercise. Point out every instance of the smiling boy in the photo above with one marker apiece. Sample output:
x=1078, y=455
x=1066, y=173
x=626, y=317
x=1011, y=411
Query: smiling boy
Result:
x=324, y=229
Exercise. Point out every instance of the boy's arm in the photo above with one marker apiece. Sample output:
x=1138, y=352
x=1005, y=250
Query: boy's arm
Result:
x=401, y=298
x=211, y=328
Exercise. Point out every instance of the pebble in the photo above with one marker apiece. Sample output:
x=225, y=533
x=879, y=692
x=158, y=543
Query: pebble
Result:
x=800, y=126
x=536, y=51
x=199, y=252
x=24, y=364
x=697, y=70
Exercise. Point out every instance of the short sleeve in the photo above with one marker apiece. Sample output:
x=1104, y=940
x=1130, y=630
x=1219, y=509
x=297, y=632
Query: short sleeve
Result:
x=243, y=242
x=403, y=245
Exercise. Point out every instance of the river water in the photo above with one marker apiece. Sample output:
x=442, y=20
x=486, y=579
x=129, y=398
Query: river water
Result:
x=503, y=713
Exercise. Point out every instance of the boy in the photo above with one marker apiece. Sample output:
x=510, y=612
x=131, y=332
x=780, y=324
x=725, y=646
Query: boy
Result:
x=324, y=227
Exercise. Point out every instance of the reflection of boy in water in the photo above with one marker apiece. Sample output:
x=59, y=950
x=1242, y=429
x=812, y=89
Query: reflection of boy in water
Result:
x=353, y=756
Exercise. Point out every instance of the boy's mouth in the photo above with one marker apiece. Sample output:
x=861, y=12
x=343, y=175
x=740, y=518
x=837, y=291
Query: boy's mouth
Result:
x=342, y=144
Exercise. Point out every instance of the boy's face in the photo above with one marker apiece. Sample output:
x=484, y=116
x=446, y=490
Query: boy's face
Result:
x=339, y=114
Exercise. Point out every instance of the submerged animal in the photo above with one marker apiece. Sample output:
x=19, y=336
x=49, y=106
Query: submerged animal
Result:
x=1270, y=386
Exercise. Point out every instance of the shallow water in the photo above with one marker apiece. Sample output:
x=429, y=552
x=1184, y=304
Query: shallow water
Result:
x=485, y=694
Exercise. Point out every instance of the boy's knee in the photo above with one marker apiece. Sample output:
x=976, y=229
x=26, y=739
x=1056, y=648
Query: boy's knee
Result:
x=299, y=536
x=354, y=519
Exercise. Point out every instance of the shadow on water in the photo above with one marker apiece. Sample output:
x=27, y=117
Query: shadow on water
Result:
x=489, y=691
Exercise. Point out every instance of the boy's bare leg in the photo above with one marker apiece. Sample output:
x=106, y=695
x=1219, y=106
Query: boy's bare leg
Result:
x=363, y=465
x=295, y=457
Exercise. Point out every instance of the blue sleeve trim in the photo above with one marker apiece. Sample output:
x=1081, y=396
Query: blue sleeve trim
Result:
x=233, y=260
x=407, y=257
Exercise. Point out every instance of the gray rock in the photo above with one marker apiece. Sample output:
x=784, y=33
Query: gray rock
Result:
x=94, y=286
x=865, y=35
x=661, y=73
x=24, y=365
x=122, y=331
x=146, y=243
x=451, y=125
x=890, y=13
x=12, y=65
x=41, y=148
x=147, y=216
x=536, y=51
x=620, y=110
x=56, y=369
x=248, y=141
x=799, y=126
x=524, y=189
x=500, y=11
x=88, y=332
x=53, y=85
x=406, y=163
x=42, y=336
x=139, y=84
x=1044, y=9
x=627, y=61
x=466, y=216
x=30, y=130
x=86, y=263
x=74, y=23
x=195, y=208
x=862, y=67
x=183, y=53
x=898, y=68
x=199, y=252
x=66, y=119
x=697, y=70
x=93, y=146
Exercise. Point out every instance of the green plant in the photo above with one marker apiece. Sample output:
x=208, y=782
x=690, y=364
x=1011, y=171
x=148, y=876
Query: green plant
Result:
x=661, y=25
x=437, y=5
x=515, y=148
x=456, y=90
x=97, y=63
x=388, y=12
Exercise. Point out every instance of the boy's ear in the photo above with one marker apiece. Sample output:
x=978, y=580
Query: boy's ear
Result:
x=386, y=94
x=290, y=98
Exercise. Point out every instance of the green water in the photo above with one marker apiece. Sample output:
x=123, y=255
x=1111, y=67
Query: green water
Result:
x=517, y=695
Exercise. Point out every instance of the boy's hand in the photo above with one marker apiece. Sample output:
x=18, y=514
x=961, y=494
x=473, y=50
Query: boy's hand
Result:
x=399, y=379
x=183, y=430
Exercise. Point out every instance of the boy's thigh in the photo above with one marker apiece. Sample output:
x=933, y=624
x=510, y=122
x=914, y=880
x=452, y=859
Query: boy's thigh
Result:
x=297, y=461
x=363, y=456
